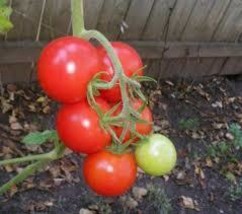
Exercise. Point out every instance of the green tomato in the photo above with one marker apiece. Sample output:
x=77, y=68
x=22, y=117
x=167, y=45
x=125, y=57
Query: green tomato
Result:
x=156, y=155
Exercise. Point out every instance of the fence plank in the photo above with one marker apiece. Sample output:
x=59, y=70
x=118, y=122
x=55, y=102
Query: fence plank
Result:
x=15, y=72
x=157, y=20
x=136, y=18
x=57, y=17
x=174, y=68
x=203, y=20
x=11, y=52
x=231, y=25
x=92, y=10
x=216, y=65
x=179, y=18
x=25, y=18
x=232, y=66
x=111, y=18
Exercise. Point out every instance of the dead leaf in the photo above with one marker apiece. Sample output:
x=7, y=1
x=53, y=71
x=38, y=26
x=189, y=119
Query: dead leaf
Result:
x=218, y=125
x=199, y=172
x=5, y=105
x=86, y=211
x=41, y=99
x=217, y=104
x=229, y=136
x=139, y=192
x=46, y=109
x=32, y=108
x=189, y=203
x=181, y=175
x=166, y=177
x=12, y=119
x=209, y=162
x=16, y=126
x=129, y=202
x=11, y=87
x=8, y=168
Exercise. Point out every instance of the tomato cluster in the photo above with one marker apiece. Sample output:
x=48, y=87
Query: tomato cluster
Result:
x=65, y=68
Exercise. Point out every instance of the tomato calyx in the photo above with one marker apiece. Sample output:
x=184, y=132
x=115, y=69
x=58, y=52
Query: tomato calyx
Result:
x=120, y=148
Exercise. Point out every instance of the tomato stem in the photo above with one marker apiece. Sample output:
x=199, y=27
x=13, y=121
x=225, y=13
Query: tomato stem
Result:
x=119, y=73
x=77, y=16
x=45, y=156
x=29, y=170
x=41, y=160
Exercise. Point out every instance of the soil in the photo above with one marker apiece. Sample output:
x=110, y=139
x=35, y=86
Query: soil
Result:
x=194, y=114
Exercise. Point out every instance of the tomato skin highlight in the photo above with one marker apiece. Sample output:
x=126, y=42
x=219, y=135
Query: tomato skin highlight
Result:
x=130, y=61
x=110, y=174
x=156, y=155
x=78, y=126
x=65, y=67
x=141, y=128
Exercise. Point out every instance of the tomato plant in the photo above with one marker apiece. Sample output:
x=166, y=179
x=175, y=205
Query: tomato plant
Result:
x=78, y=126
x=156, y=155
x=86, y=124
x=130, y=61
x=65, y=67
x=142, y=127
x=110, y=174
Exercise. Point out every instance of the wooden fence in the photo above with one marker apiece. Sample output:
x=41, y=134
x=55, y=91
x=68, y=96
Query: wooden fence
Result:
x=175, y=37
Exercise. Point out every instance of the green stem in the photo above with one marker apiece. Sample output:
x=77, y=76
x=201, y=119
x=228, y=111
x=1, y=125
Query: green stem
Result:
x=77, y=17
x=119, y=74
x=29, y=170
x=47, y=156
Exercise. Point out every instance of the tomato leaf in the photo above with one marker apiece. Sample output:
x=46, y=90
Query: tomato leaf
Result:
x=3, y=3
x=5, y=11
x=38, y=138
x=5, y=25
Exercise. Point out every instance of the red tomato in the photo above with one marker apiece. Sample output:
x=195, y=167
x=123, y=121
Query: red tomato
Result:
x=141, y=128
x=78, y=126
x=65, y=67
x=131, y=62
x=110, y=174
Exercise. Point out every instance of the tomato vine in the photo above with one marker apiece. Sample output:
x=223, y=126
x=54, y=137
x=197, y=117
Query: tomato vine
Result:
x=124, y=123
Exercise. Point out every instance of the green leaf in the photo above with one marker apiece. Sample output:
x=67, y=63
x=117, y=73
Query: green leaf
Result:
x=3, y=3
x=5, y=25
x=5, y=12
x=38, y=138
x=144, y=78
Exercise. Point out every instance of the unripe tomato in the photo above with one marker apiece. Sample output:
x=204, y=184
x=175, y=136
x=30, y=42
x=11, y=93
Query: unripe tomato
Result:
x=65, y=67
x=156, y=155
x=130, y=61
x=110, y=174
x=78, y=126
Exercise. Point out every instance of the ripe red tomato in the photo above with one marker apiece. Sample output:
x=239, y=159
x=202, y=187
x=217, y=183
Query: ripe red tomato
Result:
x=141, y=128
x=78, y=126
x=110, y=174
x=131, y=62
x=65, y=67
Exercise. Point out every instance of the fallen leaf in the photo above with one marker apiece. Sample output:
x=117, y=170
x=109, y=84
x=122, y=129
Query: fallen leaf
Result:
x=181, y=175
x=139, y=192
x=41, y=99
x=229, y=136
x=217, y=104
x=16, y=126
x=189, y=203
x=131, y=203
x=86, y=211
x=209, y=162
x=5, y=105
x=46, y=109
